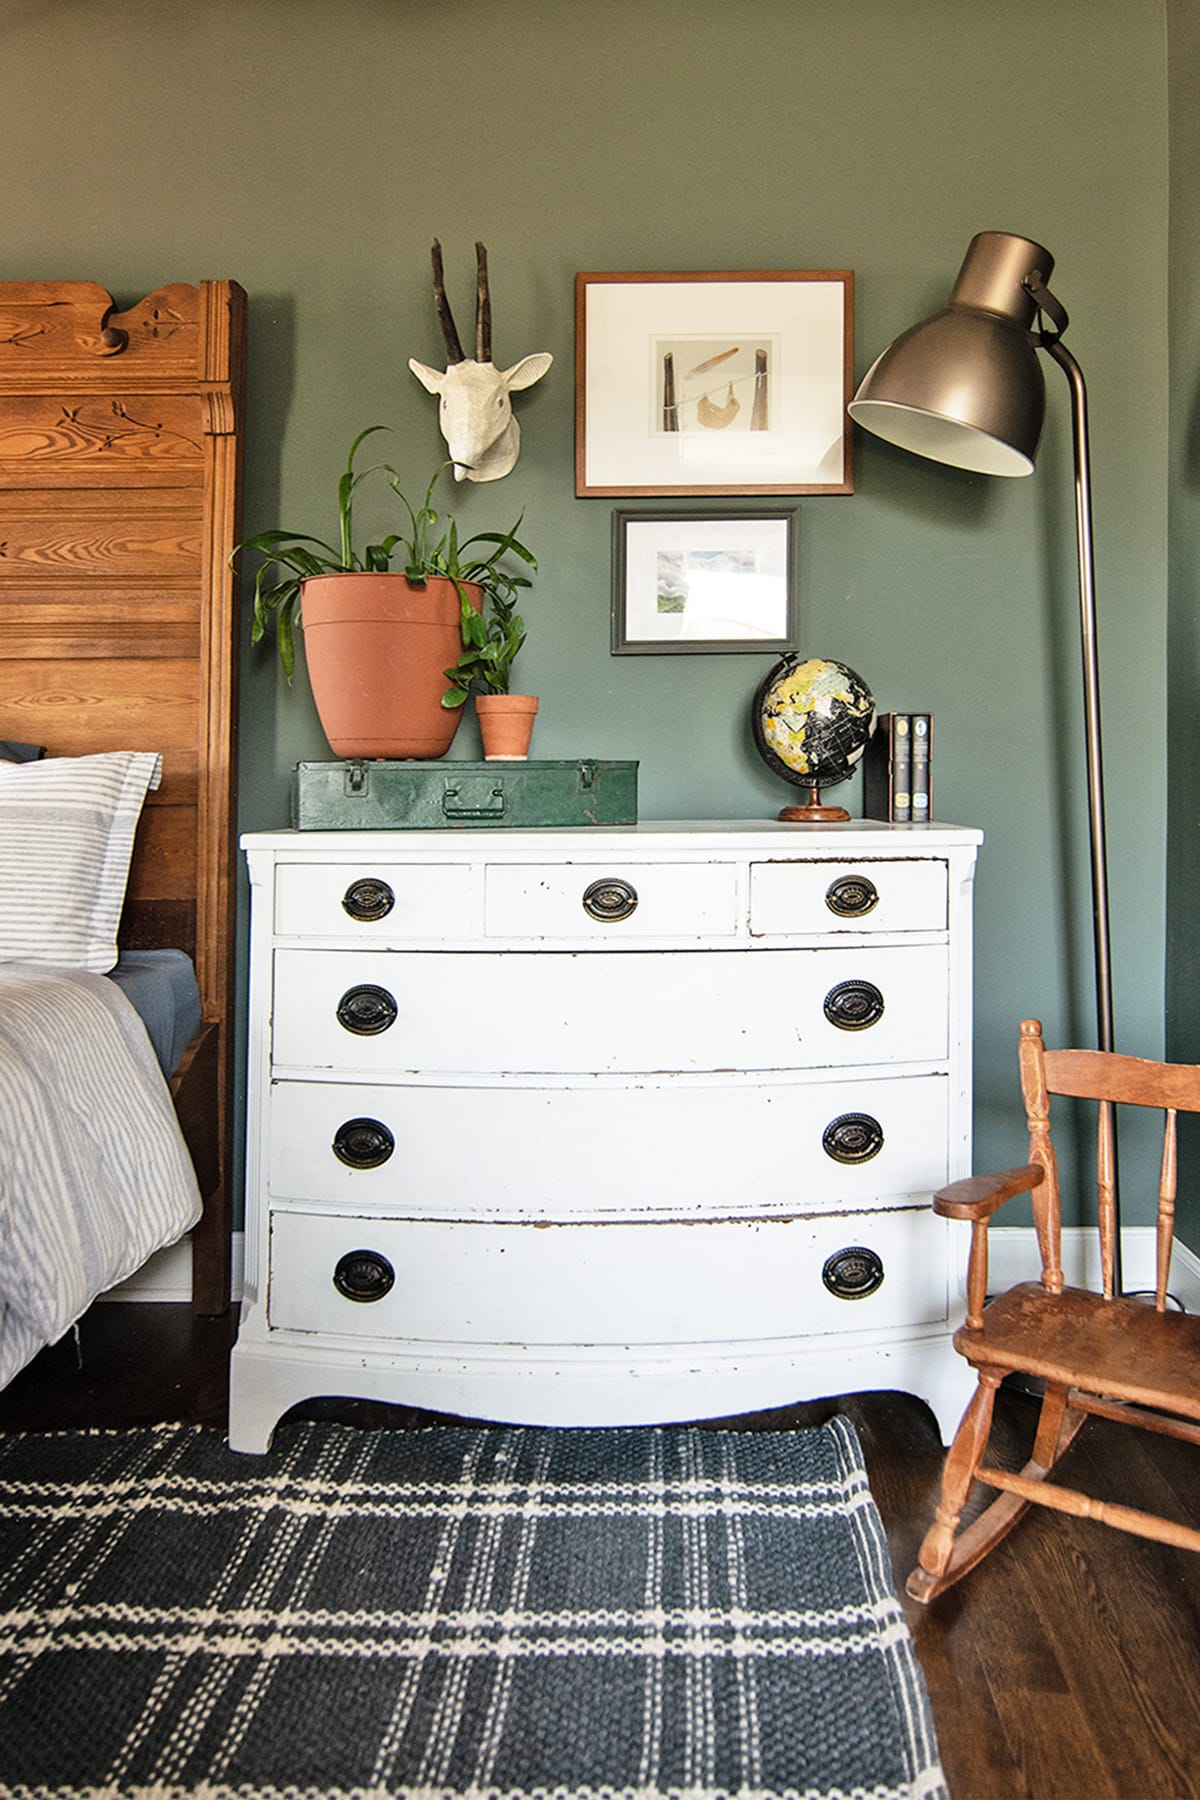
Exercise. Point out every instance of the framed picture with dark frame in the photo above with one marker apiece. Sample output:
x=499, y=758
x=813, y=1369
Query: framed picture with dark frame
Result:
x=714, y=383
x=696, y=582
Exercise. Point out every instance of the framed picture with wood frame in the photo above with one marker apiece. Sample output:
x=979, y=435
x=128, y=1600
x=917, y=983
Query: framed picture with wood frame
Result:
x=689, y=582
x=714, y=383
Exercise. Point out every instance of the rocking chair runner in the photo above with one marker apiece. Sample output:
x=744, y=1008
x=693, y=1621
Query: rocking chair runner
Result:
x=1115, y=1357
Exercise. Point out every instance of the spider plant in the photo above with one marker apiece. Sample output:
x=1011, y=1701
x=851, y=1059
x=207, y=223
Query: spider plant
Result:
x=429, y=547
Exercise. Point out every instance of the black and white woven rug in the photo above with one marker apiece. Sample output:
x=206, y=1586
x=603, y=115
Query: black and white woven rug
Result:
x=496, y=1613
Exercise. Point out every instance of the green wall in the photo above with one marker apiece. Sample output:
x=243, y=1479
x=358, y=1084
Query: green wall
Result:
x=312, y=149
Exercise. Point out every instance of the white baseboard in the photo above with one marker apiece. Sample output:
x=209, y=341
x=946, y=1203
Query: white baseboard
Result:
x=1013, y=1256
x=168, y=1275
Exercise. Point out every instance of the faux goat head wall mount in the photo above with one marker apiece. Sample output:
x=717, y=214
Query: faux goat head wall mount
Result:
x=476, y=415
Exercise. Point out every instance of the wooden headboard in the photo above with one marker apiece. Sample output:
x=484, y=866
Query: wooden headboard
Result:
x=120, y=464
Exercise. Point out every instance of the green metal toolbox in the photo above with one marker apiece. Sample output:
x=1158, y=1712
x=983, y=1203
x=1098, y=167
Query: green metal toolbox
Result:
x=427, y=796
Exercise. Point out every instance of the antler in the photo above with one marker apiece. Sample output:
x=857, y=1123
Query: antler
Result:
x=483, y=308
x=454, y=350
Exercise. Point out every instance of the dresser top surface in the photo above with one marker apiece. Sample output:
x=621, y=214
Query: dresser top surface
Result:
x=856, y=837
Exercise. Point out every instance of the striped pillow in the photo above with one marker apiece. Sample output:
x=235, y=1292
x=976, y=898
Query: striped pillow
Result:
x=66, y=839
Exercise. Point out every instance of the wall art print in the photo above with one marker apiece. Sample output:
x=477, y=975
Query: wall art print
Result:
x=703, y=581
x=714, y=383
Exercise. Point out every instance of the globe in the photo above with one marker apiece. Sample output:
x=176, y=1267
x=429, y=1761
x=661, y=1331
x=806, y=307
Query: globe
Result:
x=812, y=721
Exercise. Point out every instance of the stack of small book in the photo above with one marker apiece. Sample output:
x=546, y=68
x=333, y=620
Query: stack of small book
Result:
x=898, y=769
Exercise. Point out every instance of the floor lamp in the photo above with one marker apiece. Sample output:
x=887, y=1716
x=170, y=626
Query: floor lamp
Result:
x=965, y=388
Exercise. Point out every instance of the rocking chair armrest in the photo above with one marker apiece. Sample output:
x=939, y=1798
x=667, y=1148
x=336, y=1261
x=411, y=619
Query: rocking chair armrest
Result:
x=977, y=1197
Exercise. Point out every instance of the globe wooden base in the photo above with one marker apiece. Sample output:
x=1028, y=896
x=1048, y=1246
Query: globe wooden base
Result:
x=812, y=815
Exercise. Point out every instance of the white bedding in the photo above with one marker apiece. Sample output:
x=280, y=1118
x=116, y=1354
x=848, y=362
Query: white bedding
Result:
x=94, y=1173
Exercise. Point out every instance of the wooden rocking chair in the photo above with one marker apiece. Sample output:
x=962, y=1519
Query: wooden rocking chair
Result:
x=1118, y=1358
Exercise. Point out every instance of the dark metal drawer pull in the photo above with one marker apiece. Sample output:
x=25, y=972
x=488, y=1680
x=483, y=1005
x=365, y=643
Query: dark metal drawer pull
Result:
x=363, y=1276
x=367, y=1010
x=363, y=1143
x=853, y=1005
x=852, y=1138
x=850, y=896
x=368, y=899
x=610, y=898
x=853, y=1273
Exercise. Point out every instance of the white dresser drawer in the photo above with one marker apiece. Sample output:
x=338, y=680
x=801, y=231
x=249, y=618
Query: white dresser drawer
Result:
x=365, y=901
x=831, y=897
x=559, y=1012
x=610, y=901
x=662, y=1148
x=728, y=1280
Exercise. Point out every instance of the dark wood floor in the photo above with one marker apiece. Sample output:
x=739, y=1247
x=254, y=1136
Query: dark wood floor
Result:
x=1065, y=1668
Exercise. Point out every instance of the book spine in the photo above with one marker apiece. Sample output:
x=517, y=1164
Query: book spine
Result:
x=877, y=771
x=922, y=768
x=901, y=810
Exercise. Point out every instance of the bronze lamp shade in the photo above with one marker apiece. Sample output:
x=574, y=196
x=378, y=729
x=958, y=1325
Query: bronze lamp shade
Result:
x=965, y=387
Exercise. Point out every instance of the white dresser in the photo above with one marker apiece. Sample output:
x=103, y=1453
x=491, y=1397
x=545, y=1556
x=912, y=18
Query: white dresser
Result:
x=615, y=1126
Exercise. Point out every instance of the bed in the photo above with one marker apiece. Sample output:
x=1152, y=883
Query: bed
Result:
x=119, y=493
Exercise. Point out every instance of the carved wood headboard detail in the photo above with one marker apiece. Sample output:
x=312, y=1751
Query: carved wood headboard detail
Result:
x=120, y=465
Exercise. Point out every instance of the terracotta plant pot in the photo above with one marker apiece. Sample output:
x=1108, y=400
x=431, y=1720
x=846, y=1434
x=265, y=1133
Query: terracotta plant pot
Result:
x=506, y=725
x=377, y=648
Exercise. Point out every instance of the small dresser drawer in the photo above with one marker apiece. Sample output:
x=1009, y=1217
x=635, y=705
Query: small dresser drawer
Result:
x=373, y=900
x=613, y=902
x=606, y=1284
x=663, y=1148
x=828, y=898
x=385, y=1014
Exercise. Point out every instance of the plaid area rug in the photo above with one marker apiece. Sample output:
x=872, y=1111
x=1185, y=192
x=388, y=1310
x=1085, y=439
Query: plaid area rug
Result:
x=494, y=1613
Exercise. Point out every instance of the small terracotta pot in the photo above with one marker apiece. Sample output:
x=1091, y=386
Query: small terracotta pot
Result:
x=506, y=725
x=377, y=647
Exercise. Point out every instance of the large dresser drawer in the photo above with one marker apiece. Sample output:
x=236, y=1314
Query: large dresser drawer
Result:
x=369, y=900
x=726, y=1281
x=547, y=1012
x=832, y=897
x=610, y=901
x=686, y=1149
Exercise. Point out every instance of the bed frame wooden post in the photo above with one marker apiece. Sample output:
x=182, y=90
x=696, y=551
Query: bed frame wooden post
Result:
x=120, y=473
x=222, y=338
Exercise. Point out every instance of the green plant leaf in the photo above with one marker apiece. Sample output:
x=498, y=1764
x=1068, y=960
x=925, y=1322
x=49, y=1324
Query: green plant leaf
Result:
x=346, y=490
x=268, y=542
x=286, y=643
